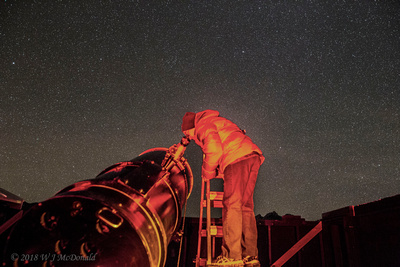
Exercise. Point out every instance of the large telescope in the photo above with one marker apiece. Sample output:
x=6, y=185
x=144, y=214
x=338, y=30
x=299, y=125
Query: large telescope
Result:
x=126, y=216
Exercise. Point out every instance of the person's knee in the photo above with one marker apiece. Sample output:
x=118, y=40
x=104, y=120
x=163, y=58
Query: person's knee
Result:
x=233, y=203
x=248, y=207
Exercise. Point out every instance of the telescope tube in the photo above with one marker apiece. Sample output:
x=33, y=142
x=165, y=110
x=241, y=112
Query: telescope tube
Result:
x=126, y=216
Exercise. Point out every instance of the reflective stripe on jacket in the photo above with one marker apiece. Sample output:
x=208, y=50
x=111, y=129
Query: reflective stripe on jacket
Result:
x=221, y=141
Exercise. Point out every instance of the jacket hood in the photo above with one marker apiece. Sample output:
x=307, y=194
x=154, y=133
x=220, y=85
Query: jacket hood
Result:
x=205, y=114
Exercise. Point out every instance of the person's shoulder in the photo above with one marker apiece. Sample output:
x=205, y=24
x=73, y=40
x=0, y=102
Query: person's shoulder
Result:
x=208, y=113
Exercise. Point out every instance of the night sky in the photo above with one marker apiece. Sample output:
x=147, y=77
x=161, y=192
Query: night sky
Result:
x=316, y=85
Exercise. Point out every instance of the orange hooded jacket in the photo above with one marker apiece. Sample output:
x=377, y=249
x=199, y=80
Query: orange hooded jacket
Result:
x=221, y=141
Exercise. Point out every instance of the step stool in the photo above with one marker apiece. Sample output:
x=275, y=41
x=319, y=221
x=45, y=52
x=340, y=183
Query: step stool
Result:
x=213, y=199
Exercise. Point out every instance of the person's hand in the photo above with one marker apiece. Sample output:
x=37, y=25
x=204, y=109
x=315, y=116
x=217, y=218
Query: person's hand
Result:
x=208, y=175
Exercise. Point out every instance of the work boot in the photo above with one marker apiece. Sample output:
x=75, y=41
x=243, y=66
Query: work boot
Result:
x=224, y=261
x=251, y=261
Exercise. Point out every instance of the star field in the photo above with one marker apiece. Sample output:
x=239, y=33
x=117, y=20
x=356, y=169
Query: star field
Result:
x=86, y=84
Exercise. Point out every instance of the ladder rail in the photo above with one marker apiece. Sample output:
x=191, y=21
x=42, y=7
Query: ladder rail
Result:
x=208, y=222
x=200, y=226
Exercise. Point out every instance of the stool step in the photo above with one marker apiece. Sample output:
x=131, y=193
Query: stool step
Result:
x=214, y=204
x=215, y=230
x=216, y=195
x=203, y=262
x=215, y=199
x=225, y=264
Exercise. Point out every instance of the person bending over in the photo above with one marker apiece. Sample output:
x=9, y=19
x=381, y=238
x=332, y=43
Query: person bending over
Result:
x=229, y=150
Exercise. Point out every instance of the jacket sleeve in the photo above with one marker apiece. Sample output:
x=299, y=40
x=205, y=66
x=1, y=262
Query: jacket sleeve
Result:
x=208, y=135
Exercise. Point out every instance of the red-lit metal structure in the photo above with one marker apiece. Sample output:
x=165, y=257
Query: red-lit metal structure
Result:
x=126, y=216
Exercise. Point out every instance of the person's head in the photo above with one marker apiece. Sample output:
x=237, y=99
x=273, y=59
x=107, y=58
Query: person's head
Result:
x=188, y=124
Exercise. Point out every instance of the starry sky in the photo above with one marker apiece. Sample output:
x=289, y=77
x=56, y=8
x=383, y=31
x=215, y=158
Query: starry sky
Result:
x=316, y=85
